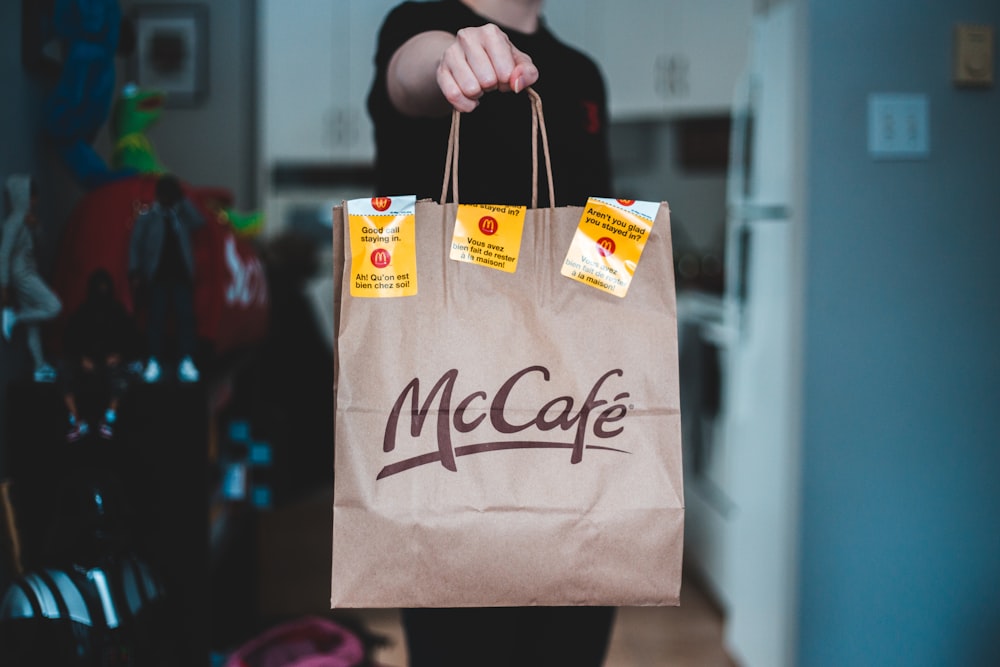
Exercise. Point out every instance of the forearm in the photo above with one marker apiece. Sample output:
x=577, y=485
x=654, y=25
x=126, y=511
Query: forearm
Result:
x=412, y=75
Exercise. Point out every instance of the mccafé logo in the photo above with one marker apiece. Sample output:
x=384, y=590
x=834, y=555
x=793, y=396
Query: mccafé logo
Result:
x=488, y=225
x=487, y=422
x=380, y=258
x=381, y=204
x=605, y=246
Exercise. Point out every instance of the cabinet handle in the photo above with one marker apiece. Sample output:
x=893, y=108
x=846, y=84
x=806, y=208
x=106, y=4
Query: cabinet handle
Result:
x=340, y=129
x=671, y=75
x=330, y=136
x=343, y=127
x=351, y=126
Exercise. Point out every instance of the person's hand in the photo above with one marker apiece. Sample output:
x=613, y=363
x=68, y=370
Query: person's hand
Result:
x=481, y=60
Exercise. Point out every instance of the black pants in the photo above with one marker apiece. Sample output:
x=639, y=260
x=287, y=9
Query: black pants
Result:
x=508, y=636
x=163, y=292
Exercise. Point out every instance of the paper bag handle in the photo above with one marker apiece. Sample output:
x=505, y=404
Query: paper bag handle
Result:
x=537, y=121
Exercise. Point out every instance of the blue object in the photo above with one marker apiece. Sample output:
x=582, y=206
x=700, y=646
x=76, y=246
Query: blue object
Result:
x=260, y=454
x=239, y=430
x=80, y=102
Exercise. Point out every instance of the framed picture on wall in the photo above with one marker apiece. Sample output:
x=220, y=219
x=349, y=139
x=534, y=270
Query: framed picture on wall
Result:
x=171, y=51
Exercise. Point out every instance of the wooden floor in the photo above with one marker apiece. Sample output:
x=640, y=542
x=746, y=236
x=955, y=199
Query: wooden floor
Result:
x=294, y=572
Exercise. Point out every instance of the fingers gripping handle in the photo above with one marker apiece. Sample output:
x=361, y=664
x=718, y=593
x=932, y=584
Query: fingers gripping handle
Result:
x=537, y=123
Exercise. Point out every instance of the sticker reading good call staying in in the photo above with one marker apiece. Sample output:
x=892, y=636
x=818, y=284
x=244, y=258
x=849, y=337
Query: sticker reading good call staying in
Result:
x=488, y=235
x=383, y=246
x=608, y=243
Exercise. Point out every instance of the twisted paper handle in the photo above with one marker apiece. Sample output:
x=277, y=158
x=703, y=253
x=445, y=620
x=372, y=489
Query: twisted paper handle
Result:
x=537, y=122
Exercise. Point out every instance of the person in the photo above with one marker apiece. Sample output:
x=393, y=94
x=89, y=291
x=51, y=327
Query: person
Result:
x=161, y=263
x=478, y=56
x=98, y=342
x=484, y=46
x=20, y=282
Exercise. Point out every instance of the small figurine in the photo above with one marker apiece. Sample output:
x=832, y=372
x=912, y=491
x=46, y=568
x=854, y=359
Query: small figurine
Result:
x=161, y=265
x=134, y=112
x=26, y=299
x=97, y=344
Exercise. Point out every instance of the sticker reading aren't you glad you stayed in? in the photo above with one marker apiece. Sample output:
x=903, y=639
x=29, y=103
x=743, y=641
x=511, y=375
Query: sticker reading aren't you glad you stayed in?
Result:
x=608, y=243
x=383, y=246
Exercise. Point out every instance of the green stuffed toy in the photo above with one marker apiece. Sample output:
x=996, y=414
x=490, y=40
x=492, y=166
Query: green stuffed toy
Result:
x=136, y=111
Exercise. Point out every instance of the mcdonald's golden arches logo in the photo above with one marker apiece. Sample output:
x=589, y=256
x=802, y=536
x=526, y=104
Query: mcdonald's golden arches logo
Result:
x=488, y=225
x=605, y=246
x=380, y=258
x=381, y=203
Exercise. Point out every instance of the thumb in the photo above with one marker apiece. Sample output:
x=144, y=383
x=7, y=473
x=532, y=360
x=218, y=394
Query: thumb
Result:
x=524, y=74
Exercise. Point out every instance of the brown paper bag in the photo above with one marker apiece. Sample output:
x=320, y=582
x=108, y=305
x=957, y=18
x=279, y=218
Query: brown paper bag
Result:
x=508, y=439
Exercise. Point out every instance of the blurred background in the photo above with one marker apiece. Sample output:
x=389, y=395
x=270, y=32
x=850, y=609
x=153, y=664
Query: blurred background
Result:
x=831, y=170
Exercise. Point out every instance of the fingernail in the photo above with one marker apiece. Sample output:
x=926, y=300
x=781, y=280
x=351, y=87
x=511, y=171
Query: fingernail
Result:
x=518, y=84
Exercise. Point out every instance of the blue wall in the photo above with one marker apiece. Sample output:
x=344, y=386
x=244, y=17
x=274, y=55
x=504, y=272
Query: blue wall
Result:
x=900, y=533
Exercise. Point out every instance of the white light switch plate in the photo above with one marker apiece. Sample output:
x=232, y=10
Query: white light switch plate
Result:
x=898, y=126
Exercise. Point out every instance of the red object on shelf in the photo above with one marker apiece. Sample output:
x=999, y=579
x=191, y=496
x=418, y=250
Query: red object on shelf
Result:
x=231, y=297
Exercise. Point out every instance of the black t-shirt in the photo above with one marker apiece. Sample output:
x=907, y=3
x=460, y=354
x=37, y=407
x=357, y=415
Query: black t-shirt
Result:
x=495, y=156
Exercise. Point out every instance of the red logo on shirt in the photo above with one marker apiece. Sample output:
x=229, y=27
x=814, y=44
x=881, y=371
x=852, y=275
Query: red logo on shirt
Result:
x=381, y=203
x=488, y=225
x=592, y=118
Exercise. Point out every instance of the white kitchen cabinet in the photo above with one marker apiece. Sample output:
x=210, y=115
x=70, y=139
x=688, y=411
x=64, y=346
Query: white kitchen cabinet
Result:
x=639, y=48
x=715, y=43
x=573, y=22
x=298, y=82
x=660, y=58
x=316, y=65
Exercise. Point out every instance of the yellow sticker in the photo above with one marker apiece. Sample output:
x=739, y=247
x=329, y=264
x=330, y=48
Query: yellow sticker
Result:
x=608, y=243
x=383, y=246
x=488, y=235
